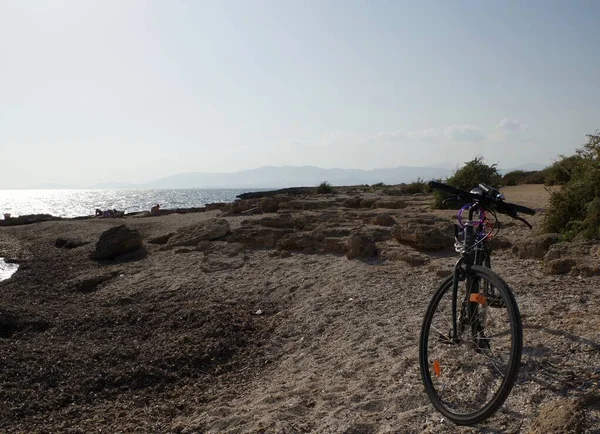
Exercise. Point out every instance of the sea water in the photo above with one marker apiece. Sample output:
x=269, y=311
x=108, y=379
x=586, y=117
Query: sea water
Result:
x=73, y=203
x=6, y=270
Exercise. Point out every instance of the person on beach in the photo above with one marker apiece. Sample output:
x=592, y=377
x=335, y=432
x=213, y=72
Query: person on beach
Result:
x=155, y=210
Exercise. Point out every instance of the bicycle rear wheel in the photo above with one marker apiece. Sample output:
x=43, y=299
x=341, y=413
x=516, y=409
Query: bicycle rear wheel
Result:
x=468, y=378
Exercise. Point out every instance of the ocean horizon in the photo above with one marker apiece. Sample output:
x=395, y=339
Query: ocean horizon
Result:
x=83, y=202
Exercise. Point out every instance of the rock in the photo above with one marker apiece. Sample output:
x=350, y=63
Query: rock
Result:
x=378, y=233
x=367, y=203
x=411, y=257
x=560, y=266
x=69, y=243
x=269, y=205
x=161, y=239
x=393, y=192
x=281, y=221
x=334, y=232
x=215, y=206
x=314, y=242
x=223, y=257
x=586, y=270
x=384, y=220
x=259, y=238
x=252, y=211
x=564, y=415
x=90, y=284
x=307, y=242
x=535, y=247
x=211, y=229
x=352, y=202
x=499, y=243
x=117, y=241
x=360, y=246
x=238, y=207
x=390, y=204
x=291, y=191
x=425, y=234
x=27, y=219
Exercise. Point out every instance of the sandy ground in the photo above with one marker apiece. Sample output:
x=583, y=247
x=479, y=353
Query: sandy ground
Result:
x=227, y=338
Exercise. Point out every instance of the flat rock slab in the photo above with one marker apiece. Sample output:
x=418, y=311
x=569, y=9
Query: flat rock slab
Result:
x=208, y=230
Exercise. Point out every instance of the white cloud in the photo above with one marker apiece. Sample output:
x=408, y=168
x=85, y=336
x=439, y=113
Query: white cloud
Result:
x=511, y=126
x=426, y=134
x=464, y=133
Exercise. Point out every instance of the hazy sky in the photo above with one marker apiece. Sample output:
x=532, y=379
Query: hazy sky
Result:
x=125, y=90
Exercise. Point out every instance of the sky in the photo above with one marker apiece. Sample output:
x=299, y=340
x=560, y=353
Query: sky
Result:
x=132, y=91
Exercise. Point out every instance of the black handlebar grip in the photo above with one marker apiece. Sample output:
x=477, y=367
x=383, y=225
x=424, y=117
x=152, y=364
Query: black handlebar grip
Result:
x=522, y=209
x=446, y=188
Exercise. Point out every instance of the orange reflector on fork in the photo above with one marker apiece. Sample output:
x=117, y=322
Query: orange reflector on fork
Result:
x=437, y=368
x=478, y=298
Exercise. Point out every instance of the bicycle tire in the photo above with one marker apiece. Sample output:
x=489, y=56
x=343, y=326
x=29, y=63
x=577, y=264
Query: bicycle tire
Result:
x=436, y=386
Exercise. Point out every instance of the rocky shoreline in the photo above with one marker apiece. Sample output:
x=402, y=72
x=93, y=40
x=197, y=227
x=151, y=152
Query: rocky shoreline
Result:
x=282, y=312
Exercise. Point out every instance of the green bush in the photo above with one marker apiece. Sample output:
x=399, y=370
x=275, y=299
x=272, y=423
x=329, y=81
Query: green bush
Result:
x=419, y=186
x=535, y=177
x=324, y=188
x=574, y=209
x=518, y=177
x=474, y=172
x=562, y=170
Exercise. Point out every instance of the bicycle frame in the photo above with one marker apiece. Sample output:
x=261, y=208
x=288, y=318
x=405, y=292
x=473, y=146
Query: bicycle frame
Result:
x=475, y=252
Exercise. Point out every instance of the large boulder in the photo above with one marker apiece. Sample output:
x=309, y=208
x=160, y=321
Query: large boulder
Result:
x=535, y=247
x=211, y=229
x=253, y=237
x=563, y=415
x=390, y=204
x=117, y=241
x=268, y=204
x=425, y=233
x=360, y=246
x=384, y=220
x=579, y=258
x=314, y=242
x=352, y=202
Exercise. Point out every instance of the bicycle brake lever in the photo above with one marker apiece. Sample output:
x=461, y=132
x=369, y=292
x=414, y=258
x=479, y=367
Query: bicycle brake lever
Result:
x=524, y=221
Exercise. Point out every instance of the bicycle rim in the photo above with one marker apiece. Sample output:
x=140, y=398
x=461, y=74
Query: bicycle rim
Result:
x=468, y=379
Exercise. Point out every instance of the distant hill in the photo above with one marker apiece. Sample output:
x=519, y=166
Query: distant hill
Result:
x=294, y=176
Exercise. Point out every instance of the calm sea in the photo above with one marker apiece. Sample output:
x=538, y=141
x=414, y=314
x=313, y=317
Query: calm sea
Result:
x=73, y=203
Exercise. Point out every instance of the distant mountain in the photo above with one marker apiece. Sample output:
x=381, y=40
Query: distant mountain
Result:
x=525, y=167
x=52, y=186
x=292, y=176
x=530, y=166
x=115, y=185
x=295, y=176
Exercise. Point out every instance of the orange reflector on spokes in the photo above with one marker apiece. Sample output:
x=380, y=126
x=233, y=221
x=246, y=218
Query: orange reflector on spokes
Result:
x=478, y=298
x=437, y=368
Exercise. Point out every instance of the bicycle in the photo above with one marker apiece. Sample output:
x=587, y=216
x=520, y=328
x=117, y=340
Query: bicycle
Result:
x=471, y=337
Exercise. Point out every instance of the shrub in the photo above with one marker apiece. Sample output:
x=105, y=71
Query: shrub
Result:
x=419, y=186
x=324, y=188
x=562, y=170
x=472, y=173
x=574, y=209
x=518, y=177
x=535, y=177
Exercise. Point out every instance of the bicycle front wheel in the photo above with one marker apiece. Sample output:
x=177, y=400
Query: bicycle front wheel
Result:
x=469, y=376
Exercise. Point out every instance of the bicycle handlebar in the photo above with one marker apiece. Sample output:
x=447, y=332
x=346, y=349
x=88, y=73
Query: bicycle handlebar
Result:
x=495, y=202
